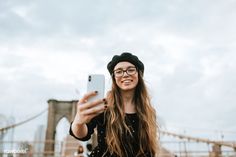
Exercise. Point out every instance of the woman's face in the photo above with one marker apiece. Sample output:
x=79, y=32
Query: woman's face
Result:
x=126, y=76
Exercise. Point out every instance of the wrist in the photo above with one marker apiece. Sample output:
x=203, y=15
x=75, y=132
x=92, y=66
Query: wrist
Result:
x=79, y=130
x=77, y=123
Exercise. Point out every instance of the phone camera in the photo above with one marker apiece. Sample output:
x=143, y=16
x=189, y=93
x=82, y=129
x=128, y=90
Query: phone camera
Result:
x=89, y=78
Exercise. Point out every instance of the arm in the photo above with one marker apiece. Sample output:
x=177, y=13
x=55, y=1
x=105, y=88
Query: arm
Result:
x=84, y=123
x=78, y=133
x=79, y=130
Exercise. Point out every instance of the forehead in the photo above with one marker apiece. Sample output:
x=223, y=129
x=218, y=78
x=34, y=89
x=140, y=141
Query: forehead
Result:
x=123, y=65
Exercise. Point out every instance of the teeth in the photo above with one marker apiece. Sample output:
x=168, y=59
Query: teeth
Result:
x=126, y=81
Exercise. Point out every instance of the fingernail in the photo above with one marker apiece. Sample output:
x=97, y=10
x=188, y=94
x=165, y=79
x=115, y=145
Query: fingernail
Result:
x=96, y=92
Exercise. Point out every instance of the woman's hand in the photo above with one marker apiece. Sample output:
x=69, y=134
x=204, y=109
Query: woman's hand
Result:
x=87, y=110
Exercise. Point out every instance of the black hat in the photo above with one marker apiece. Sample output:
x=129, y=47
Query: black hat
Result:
x=125, y=57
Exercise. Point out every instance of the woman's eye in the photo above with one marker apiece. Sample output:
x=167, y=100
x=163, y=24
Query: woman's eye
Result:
x=131, y=70
x=118, y=72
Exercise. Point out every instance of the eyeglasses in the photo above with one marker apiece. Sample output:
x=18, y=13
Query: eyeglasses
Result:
x=129, y=71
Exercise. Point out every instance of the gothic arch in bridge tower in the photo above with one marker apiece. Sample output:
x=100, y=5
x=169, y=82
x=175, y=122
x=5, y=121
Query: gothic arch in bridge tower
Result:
x=56, y=111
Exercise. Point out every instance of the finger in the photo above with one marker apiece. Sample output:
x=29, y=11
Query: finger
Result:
x=91, y=116
x=94, y=110
x=87, y=96
x=91, y=104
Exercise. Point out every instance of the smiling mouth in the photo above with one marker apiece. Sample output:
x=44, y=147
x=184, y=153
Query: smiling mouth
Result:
x=126, y=81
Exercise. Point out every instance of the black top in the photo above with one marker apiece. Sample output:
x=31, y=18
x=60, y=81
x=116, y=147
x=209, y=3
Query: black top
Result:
x=98, y=121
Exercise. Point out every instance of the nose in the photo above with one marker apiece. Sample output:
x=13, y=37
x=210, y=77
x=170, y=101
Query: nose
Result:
x=125, y=74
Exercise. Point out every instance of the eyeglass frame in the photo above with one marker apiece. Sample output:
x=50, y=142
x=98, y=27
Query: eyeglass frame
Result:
x=125, y=71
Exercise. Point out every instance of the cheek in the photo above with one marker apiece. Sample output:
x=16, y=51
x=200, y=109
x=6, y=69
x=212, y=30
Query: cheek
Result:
x=117, y=81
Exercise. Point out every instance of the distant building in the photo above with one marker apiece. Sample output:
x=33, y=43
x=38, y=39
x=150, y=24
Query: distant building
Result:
x=39, y=138
x=6, y=135
x=25, y=150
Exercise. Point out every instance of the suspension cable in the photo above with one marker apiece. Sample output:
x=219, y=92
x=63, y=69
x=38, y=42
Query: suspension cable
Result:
x=22, y=122
x=232, y=145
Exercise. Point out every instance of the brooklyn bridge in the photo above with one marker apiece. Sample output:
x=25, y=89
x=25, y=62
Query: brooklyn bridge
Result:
x=46, y=145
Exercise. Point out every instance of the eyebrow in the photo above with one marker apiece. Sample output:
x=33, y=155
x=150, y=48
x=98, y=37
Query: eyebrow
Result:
x=124, y=68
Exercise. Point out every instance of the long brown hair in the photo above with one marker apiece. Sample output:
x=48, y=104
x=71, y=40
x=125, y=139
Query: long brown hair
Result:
x=148, y=131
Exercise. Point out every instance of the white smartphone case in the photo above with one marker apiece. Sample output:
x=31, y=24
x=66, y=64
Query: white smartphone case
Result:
x=96, y=82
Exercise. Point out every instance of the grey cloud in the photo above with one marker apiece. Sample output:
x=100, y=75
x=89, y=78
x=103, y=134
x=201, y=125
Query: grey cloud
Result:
x=29, y=89
x=188, y=93
x=11, y=61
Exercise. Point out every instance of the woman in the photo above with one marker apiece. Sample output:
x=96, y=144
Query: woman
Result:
x=127, y=125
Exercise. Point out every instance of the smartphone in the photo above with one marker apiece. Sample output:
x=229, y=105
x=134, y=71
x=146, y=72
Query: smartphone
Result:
x=96, y=82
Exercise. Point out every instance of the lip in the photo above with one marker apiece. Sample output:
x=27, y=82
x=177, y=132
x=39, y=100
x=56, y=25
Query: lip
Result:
x=126, y=81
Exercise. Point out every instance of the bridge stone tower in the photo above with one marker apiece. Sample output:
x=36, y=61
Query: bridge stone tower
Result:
x=56, y=111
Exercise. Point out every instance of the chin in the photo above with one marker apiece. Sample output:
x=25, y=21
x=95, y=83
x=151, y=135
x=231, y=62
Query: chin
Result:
x=127, y=88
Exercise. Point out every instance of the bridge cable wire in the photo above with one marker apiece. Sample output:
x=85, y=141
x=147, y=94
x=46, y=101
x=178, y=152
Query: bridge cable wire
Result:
x=189, y=138
x=23, y=122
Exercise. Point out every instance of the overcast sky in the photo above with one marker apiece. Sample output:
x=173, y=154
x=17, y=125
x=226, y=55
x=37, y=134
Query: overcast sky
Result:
x=47, y=49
